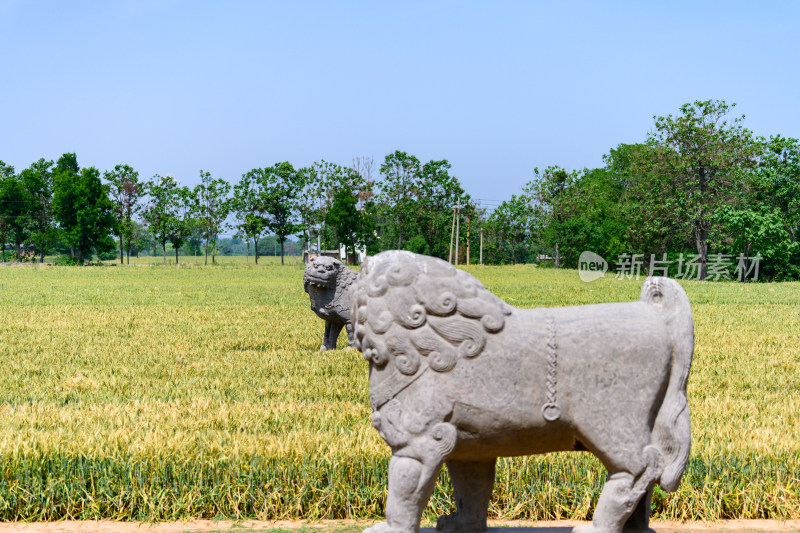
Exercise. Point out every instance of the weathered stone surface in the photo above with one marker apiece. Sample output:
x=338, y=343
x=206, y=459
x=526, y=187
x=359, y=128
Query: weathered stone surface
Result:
x=330, y=285
x=459, y=377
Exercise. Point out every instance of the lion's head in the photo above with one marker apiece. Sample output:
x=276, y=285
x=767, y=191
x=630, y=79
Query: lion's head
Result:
x=324, y=272
x=410, y=307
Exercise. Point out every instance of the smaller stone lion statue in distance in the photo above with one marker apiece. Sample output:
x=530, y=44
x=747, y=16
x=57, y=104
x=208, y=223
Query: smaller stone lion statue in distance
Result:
x=331, y=286
x=459, y=377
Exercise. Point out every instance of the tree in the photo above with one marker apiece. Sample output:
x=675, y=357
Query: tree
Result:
x=14, y=209
x=760, y=231
x=169, y=213
x=437, y=192
x=279, y=186
x=399, y=189
x=125, y=193
x=249, y=209
x=776, y=180
x=512, y=222
x=158, y=211
x=697, y=164
x=182, y=223
x=140, y=237
x=350, y=224
x=38, y=182
x=551, y=193
x=65, y=195
x=6, y=210
x=211, y=208
x=82, y=208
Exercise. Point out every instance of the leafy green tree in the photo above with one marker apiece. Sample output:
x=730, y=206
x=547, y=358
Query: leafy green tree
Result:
x=512, y=223
x=553, y=196
x=436, y=194
x=82, y=208
x=38, y=182
x=125, y=193
x=776, y=180
x=351, y=225
x=399, y=190
x=6, y=210
x=249, y=210
x=160, y=210
x=211, y=208
x=698, y=163
x=140, y=237
x=754, y=231
x=14, y=210
x=183, y=225
x=66, y=197
x=279, y=186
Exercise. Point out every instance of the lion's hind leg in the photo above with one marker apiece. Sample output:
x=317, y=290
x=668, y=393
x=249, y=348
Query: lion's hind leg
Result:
x=473, y=482
x=332, y=330
x=624, y=503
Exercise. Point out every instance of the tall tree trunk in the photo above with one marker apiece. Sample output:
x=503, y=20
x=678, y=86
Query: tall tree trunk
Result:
x=164, y=249
x=176, y=256
x=72, y=252
x=255, y=245
x=558, y=258
x=214, y=251
x=80, y=257
x=206, y=251
x=281, y=252
x=128, y=258
x=701, y=239
x=121, y=251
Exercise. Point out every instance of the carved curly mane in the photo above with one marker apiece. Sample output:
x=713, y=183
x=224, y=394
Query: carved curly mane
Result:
x=410, y=307
x=345, y=277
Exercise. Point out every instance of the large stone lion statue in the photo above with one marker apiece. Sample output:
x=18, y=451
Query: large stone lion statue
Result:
x=331, y=285
x=459, y=377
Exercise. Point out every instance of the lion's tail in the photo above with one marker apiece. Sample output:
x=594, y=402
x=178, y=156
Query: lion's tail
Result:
x=672, y=431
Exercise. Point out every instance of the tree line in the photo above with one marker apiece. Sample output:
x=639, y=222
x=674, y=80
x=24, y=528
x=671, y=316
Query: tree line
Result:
x=700, y=184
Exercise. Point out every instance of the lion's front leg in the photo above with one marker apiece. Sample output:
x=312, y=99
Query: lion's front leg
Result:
x=473, y=482
x=332, y=330
x=410, y=487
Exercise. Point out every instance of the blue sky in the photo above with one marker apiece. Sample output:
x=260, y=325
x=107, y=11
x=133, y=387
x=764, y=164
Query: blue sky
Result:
x=497, y=88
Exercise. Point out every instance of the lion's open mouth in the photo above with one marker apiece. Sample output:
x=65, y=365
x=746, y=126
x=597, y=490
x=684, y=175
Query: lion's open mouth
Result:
x=325, y=281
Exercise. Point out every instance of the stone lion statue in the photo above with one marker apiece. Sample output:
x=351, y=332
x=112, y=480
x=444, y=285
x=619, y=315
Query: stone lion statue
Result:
x=331, y=285
x=459, y=377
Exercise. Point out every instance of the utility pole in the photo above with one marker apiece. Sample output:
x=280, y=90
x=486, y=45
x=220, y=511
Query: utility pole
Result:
x=467, y=239
x=458, y=223
x=481, y=245
x=452, y=229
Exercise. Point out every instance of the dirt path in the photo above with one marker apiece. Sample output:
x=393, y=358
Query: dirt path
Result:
x=343, y=526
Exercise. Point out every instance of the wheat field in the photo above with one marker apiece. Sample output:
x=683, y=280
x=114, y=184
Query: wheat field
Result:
x=159, y=393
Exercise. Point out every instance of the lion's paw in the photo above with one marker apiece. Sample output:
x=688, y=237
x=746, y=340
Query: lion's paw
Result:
x=380, y=527
x=453, y=523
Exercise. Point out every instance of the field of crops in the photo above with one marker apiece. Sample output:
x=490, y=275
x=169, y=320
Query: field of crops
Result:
x=157, y=393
